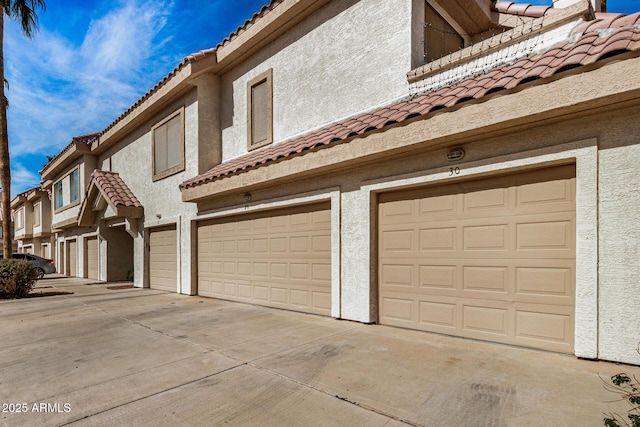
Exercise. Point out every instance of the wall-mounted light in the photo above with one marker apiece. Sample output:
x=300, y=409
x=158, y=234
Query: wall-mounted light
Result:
x=158, y=216
x=247, y=197
x=455, y=154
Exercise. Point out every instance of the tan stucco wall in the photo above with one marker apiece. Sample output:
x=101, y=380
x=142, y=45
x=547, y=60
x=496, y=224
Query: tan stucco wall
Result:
x=131, y=158
x=369, y=51
x=604, y=147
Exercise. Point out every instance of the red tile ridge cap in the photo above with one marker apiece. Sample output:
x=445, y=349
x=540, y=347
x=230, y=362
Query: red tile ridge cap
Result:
x=521, y=9
x=114, y=188
x=85, y=139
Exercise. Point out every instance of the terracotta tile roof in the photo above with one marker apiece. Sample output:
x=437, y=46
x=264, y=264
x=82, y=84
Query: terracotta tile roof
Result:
x=25, y=193
x=587, y=49
x=520, y=9
x=249, y=22
x=194, y=57
x=86, y=139
x=114, y=188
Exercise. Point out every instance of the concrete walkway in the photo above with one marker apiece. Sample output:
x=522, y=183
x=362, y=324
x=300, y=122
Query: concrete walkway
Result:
x=150, y=358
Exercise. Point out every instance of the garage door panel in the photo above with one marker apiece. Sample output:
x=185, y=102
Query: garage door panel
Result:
x=485, y=262
x=281, y=258
x=163, y=258
x=72, y=258
x=92, y=258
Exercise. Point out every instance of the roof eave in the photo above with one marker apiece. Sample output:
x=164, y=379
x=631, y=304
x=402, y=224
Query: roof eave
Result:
x=265, y=29
x=432, y=130
x=72, y=152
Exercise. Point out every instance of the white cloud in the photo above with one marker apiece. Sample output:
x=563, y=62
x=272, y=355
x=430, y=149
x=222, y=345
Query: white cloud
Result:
x=22, y=178
x=61, y=87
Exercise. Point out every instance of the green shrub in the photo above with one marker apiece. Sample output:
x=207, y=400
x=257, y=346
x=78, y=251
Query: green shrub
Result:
x=628, y=389
x=17, y=278
x=130, y=276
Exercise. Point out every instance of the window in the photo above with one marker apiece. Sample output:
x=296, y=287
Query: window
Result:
x=168, y=146
x=36, y=214
x=58, y=194
x=66, y=192
x=20, y=219
x=440, y=38
x=260, y=110
x=73, y=185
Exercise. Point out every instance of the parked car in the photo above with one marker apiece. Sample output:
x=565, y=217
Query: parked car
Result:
x=43, y=265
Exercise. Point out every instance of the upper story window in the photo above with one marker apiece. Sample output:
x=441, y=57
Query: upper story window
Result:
x=168, y=146
x=37, y=209
x=19, y=219
x=260, y=110
x=66, y=192
x=440, y=38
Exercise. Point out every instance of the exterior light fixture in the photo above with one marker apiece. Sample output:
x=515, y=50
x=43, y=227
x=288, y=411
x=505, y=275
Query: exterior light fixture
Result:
x=455, y=154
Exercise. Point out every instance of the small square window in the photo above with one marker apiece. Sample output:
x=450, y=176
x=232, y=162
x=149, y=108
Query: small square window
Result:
x=260, y=111
x=168, y=146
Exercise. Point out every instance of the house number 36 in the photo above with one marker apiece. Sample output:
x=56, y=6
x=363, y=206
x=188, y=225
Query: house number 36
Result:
x=454, y=171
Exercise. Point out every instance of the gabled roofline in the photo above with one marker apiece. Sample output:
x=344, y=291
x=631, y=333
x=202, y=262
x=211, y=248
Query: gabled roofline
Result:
x=27, y=196
x=87, y=214
x=264, y=27
x=78, y=146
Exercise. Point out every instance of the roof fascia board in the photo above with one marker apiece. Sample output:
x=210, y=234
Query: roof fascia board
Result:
x=618, y=82
x=266, y=29
x=73, y=151
x=18, y=201
x=581, y=9
x=175, y=86
x=71, y=222
x=36, y=194
x=474, y=16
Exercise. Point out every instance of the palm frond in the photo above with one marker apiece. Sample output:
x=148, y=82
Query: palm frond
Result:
x=25, y=12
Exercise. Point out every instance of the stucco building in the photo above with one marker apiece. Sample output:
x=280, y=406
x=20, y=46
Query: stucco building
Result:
x=462, y=167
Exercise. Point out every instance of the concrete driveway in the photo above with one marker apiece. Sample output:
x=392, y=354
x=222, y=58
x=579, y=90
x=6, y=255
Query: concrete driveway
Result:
x=150, y=358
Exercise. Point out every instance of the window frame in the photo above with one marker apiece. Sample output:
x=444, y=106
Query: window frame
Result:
x=266, y=78
x=180, y=167
x=20, y=218
x=37, y=214
x=74, y=174
x=62, y=207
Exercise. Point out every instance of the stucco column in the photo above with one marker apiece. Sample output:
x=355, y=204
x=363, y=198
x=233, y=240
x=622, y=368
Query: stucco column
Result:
x=138, y=258
x=356, y=238
x=209, y=130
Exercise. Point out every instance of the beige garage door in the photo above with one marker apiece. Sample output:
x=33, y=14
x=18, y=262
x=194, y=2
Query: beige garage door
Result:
x=492, y=259
x=72, y=258
x=91, y=251
x=163, y=258
x=278, y=259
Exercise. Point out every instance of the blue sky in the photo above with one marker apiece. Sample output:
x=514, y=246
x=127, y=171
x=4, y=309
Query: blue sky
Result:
x=92, y=59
